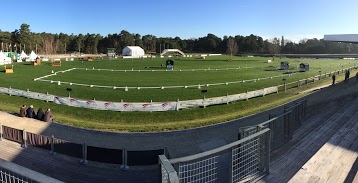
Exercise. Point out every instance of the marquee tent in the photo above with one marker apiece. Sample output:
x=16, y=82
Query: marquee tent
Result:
x=32, y=56
x=23, y=55
x=4, y=59
x=133, y=51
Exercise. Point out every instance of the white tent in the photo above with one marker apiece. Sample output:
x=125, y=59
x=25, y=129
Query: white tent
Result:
x=4, y=59
x=32, y=56
x=133, y=51
x=23, y=55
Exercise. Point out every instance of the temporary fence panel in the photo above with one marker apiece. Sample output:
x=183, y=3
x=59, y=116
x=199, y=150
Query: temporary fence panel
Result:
x=149, y=157
x=105, y=155
x=40, y=141
x=12, y=134
x=68, y=148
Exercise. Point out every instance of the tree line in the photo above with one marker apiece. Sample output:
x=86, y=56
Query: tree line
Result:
x=48, y=43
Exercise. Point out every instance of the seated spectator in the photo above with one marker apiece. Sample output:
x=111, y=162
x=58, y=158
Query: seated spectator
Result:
x=48, y=116
x=40, y=114
x=30, y=112
x=23, y=111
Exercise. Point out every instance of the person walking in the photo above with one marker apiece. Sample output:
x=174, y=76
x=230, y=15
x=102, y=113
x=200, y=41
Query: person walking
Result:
x=40, y=114
x=23, y=111
x=30, y=112
x=48, y=116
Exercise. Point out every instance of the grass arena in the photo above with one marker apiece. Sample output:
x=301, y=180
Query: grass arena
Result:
x=147, y=80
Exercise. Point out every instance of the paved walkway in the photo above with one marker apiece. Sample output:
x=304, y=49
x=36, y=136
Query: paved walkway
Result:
x=325, y=149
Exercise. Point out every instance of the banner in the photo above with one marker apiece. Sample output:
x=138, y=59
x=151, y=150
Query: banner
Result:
x=138, y=106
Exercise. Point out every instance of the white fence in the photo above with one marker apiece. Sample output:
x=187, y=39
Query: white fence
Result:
x=138, y=106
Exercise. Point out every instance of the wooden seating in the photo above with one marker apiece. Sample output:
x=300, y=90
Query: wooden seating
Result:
x=89, y=59
x=56, y=63
x=37, y=62
x=9, y=69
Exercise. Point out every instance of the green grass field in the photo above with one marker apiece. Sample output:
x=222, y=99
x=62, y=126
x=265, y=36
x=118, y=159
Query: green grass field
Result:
x=24, y=74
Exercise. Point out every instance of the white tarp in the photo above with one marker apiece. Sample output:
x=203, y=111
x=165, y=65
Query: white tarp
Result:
x=139, y=106
x=32, y=56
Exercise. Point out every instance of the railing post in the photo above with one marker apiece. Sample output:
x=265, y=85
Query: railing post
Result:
x=166, y=153
x=52, y=141
x=268, y=150
x=84, y=154
x=124, y=166
x=24, y=139
x=177, y=107
x=0, y=132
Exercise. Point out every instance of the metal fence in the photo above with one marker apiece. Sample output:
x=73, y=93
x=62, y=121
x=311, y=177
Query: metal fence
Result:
x=244, y=160
x=12, y=173
x=282, y=125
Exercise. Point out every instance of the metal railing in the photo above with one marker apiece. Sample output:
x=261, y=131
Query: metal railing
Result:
x=85, y=152
x=169, y=175
x=12, y=173
x=244, y=160
x=282, y=125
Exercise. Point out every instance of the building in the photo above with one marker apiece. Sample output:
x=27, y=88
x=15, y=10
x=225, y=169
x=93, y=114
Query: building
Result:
x=133, y=51
x=346, y=38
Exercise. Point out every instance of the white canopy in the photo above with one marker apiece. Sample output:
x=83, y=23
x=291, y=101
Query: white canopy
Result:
x=4, y=59
x=32, y=56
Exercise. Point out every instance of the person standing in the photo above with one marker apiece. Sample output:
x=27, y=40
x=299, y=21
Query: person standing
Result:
x=48, y=116
x=23, y=111
x=30, y=112
x=333, y=79
x=40, y=114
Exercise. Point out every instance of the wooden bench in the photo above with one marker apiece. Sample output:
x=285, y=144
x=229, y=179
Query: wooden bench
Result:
x=56, y=63
x=37, y=62
x=89, y=59
x=9, y=69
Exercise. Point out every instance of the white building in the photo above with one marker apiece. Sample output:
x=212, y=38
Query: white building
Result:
x=133, y=52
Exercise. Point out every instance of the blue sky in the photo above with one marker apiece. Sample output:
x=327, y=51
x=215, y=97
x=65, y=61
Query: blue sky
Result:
x=293, y=19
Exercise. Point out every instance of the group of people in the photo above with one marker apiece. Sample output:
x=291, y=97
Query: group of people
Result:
x=346, y=76
x=40, y=115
